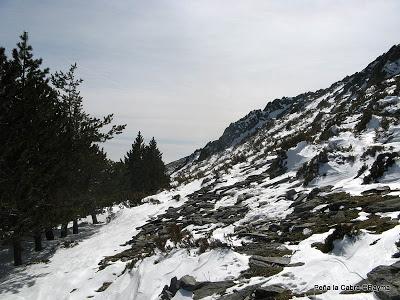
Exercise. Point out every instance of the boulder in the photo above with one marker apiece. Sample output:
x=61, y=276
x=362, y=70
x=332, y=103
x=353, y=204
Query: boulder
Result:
x=392, y=204
x=301, y=227
x=176, y=197
x=290, y=194
x=386, y=276
x=188, y=283
x=174, y=285
x=206, y=289
x=380, y=190
x=263, y=261
x=269, y=292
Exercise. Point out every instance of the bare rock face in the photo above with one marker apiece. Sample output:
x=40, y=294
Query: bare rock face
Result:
x=263, y=261
x=386, y=276
x=270, y=292
x=188, y=283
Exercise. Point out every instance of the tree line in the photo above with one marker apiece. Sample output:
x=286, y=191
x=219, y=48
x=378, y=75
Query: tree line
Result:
x=52, y=167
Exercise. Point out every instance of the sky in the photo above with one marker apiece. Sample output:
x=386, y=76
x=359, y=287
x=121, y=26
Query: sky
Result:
x=183, y=70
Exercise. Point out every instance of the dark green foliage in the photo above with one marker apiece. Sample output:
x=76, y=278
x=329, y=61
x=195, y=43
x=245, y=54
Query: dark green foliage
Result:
x=155, y=172
x=134, y=161
x=385, y=123
x=310, y=170
x=371, y=151
x=145, y=169
x=340, y=231
x=31, y=126
x=361, y=170
x=238, y=158
x=278, y=167
x=364, y=120
x=292, y=141
x=52, y=169
x=380, y=165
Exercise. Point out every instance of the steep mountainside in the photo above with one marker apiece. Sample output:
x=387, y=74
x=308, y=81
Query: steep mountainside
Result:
x=355, y=87
x=300, y=200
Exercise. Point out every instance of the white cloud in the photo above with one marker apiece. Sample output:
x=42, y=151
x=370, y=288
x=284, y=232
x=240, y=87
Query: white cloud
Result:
x=183, y=70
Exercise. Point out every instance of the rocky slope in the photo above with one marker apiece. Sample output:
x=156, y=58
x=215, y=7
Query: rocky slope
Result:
x=318, y=171
x=299, y=200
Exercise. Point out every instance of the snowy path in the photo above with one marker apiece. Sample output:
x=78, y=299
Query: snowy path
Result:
x=72, y=273
x=76, y=268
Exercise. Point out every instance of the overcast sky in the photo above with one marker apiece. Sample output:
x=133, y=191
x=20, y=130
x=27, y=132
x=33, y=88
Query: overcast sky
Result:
x=182, y=70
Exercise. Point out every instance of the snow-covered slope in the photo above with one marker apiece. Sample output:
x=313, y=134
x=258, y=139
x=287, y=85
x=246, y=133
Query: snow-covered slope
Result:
x=298, y=200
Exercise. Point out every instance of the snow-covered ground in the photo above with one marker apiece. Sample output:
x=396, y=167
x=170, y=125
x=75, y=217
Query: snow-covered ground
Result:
x=73, y=273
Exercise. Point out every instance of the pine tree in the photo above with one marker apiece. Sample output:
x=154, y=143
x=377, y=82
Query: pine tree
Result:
x=82, y=156
x=50, y=161
x=155, y=172
x=134, y=164
x=145, y=169
x=30, y=126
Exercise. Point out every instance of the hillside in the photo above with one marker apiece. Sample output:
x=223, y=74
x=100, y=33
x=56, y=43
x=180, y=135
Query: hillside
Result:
x=298, y=200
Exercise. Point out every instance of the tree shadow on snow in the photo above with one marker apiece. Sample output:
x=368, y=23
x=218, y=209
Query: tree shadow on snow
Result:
x=12, y=278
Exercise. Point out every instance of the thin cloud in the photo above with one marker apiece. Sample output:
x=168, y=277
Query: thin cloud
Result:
x=183, y=70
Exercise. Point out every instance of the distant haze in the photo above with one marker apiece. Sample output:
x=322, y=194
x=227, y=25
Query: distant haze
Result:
x=181, y=71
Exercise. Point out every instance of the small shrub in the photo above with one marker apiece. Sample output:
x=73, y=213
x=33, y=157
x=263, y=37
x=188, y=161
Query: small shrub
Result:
x=380, y=165
x=310, y=170
x=371, y=151
x=338, y=234
x=362, y=170
x=385, y=123
x=277, y=167
x=238, y=158
x=160, y=242
x=364, y=120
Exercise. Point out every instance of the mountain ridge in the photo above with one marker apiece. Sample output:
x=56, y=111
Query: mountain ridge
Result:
x=387, y=64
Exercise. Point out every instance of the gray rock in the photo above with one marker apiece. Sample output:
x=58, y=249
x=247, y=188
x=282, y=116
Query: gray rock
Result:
x=209, y=288
x=263, y=261
x=269, y=292
x=256, y=235
x=290, y=194
x=176, y=197
x=300, y=197
x=188, y=283
x=174, y=285
x=298, y=264
x=385, y=276
x=301, y=227
x=381, y=190
x=388, y=205
x=339, y=216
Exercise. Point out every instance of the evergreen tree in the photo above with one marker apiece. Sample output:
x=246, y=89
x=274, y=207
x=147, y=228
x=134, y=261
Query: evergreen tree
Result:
x=82, y=157
x=51, y=167
x=30, y=127
x=145, y=169
x=134, y=164
x=154, y=168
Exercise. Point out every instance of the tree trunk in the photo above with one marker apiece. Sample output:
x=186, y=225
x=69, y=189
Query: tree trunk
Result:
x=94, y=219
x=17, y=251
x=38, y=241
x=49, y=234
x=64, y=230
x=75, y=226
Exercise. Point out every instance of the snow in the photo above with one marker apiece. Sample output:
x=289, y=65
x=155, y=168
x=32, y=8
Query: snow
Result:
x=374, y=123
x=300, y=154
x=362, y=216
x=146, y=280
x=72, y=273
x=183, y=295
x=349, y=262
x=392, y=68
x=392, y=214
